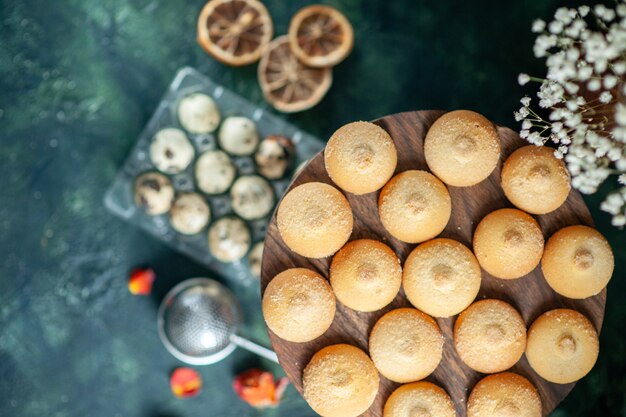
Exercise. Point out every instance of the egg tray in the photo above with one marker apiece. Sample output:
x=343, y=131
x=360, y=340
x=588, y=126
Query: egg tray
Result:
x=119, y=197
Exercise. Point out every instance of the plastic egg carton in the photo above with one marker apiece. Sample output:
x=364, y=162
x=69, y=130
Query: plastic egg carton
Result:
x=119, y=199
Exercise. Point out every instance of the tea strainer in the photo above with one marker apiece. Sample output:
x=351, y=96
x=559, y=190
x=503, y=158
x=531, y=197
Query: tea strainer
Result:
x=198, y=322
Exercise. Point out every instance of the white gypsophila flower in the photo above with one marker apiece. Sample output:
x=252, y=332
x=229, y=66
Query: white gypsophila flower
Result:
x=573, y=120
x=619, y=134
x=606, y=97
x=559, y=68
x=555, y=27
x=550, y=93
x=594, y=85
x=571, y=105
x=614, y=154
x=604, y=13
x=584, y=72
x=572, y=54
x=535, y=139
x=564, y=15
x=619, y=220
x=543, y=43
x=584, y=10
x=613, y=203
x=538, y=26
x=584, y=90
x=609, y=81
x=571, y=87
x=523, y=79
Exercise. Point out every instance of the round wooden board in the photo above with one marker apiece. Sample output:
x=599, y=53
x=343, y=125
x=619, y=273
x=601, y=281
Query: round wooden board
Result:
x=530, y=295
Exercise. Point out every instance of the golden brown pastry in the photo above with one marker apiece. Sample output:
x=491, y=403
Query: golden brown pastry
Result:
x=360, y=157
x=462, y=148
x=365, y=275
x=562, y=346
x=490, y=336
x=414, y=206
x=508, y=243
x=441, y=277
x=578, y=262
x=534, y=180
x=419, y=399
x=298, y=305
x=504, y=395
x=406, y=345
x=314, y=220
x=340, y=381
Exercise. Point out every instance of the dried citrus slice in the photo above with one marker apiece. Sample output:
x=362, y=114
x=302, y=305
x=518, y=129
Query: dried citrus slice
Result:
x=320, y=36
x=235, y=32
x=288, y=84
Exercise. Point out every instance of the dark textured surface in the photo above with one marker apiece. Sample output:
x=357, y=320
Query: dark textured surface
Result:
x=530, y=295
x=79, y=79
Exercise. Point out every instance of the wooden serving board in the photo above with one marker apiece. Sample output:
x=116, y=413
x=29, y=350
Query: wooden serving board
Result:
x=531, y=295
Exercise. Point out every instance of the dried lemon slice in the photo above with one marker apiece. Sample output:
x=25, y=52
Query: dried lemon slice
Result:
x=235, y=32
x=320, y=36
x=287, y=83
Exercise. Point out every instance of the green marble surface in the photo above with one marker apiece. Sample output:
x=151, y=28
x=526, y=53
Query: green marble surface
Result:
x=79, y=79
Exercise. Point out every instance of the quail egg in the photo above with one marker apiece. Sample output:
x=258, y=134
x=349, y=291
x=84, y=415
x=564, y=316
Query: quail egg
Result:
x=170, y=151
x=198, y=113
x=274, y=156
x=154, y=193
x=215, y=172
x=189, y=213
x=252, y=197
x=238, y=136
x=254, y=259
x=229, y=239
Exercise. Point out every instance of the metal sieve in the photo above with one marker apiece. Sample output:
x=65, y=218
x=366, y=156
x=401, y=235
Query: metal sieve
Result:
x=198, y=322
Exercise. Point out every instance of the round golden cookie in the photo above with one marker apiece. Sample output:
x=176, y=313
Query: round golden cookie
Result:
x=504, y=395
x=578, y=262
x=441, y=277
x=534, y=180
x=406, y=345
x=414, y=206
x=365, y=275
x=562, y=346
x=508, y=243
x=340, y=381
x=360, y=157
x=314, y=220
x=490, y=336
x=298, y=305
x=462, y=148
x=419, y=399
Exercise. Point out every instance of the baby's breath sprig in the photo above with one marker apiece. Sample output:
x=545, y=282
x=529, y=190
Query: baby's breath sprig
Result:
x=584, y=93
